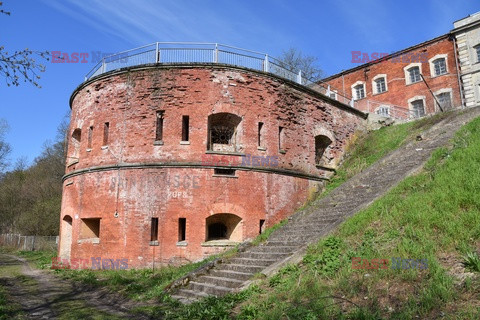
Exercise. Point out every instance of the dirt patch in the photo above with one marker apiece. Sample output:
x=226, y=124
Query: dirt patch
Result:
x=454, y=266
x=42, y=295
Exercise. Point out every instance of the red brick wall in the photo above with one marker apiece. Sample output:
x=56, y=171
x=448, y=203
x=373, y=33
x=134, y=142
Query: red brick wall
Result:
x=398, y=92
x=138, y=192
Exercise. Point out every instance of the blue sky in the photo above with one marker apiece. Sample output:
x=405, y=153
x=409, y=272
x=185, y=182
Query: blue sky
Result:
x=328, y=29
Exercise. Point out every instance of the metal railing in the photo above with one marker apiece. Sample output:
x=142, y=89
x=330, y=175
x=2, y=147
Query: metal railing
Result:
x=197, y=52
x=388, y=110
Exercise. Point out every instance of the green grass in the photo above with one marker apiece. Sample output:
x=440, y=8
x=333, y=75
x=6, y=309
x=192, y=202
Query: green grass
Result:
x=139, y=284
x=40, y=259
x=8, y=309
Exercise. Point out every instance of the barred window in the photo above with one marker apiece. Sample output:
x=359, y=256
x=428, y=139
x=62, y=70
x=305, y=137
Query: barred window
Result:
x=440, y=66
x=359, y=91
x=380, y=83
x=414, y=74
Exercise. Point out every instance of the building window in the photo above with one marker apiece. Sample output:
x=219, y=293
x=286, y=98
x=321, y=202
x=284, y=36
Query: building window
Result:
x=224, y=172
x=380, y=85
x=445, y=100
x=414, y=74
x=223, y=226
x=359, y=91
x=439, y=66
x=223, y=132
x=106, y=128
x=154, y=230
x=182, y=229
x=76, y=139
x=185, y=127
x=477, y=49
x=281, y=139
x=262, y=226
x=90, y=137
x=321, y=145
x=260, y=135
x=418, y=108
x=383, y=111
x=333, y=94
x=159, y=125
x=90, y=228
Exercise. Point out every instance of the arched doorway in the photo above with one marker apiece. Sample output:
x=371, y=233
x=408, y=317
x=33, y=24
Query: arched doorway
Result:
x=223, y=226
x=66, y=237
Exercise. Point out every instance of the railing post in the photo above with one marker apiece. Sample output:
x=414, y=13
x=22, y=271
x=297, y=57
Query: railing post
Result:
x=215, y=54
x=103, y=65
x=328, y=91
x=157, y=54
x=265, y=63
x=352, y=103
x=299, y=77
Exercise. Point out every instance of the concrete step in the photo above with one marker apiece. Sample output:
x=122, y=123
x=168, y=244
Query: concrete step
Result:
x=242, y=276
x=189, y=294
x=273, y=249
x=263, y=255
x=220, y=281
x=210, y=289
x=282, y=243
x=299, y=238
x=240, y=267
x=252, y=262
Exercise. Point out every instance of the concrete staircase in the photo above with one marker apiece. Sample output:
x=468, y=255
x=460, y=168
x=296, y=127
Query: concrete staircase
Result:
x=322, y=216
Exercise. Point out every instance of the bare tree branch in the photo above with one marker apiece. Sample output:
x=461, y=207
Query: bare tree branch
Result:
x=21, y=65
x=293, y=60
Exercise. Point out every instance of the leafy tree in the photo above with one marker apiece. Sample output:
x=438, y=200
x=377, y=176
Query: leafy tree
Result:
x=21, y=64
x=30, y=197
x=294, y=60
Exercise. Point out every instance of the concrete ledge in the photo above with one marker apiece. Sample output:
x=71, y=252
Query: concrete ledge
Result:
x=127, y=166
x=219, y=243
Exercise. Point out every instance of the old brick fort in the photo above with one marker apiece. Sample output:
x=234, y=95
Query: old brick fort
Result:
x=177, y=151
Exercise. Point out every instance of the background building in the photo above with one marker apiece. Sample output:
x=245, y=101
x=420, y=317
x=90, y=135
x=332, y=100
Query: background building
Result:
x=467, y=35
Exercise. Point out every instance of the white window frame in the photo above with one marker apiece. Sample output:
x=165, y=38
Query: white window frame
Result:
x=410, y=105
x=432, y=66
x=476, y=53
x=385, y=107
x=407, y=73
x=335, y=93
x=354, y=92
x=443, y=90
x=374, y=84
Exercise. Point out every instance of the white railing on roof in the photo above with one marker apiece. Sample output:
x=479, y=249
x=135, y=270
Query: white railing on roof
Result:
x=196, y=52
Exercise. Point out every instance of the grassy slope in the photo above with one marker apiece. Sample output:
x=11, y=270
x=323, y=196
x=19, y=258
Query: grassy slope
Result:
x=434, y=215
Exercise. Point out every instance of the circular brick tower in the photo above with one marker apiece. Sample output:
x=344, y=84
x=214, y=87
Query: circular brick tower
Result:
x=169, y=163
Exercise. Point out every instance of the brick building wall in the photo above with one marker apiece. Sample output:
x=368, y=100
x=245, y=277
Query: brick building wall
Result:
x=400, y=94
x=123, y=174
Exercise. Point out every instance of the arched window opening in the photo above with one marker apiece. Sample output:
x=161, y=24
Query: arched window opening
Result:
x=76, y=139
x=322, y=144
x=223, y=226
x=66, y=237
x=223, y=132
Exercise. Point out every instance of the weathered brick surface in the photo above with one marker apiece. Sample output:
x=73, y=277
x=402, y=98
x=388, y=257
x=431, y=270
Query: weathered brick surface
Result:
x=398, y=91
x=129, y=101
